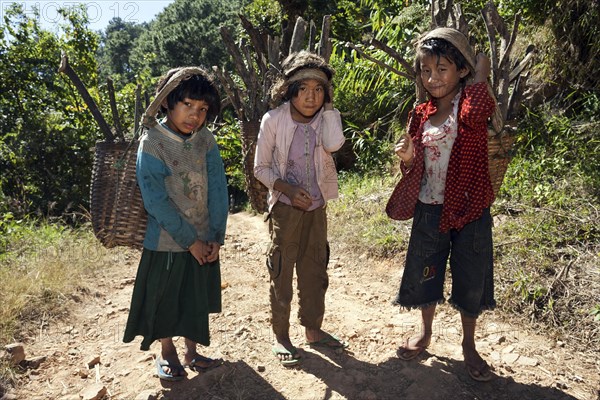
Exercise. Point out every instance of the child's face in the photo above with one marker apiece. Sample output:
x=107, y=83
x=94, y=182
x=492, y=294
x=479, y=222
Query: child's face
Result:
x=187, y=115
x=440, y=77
x=309, y=100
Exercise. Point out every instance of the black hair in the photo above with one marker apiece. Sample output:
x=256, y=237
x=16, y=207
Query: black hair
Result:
x=441, y=48
x=294, y=88
x=197, y=87
x=280, y=90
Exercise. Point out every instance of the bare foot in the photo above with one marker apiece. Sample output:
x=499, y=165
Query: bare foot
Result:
x=413, y=347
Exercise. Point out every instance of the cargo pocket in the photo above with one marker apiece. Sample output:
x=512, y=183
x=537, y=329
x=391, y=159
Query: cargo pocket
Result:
x=274, y=262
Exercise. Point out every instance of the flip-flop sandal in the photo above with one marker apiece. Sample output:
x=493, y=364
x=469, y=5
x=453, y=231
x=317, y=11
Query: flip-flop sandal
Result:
x=212, y=364
x=481, y=374
x=407, y=353
x=329, y=342
x=160, y=363
x=290, y=362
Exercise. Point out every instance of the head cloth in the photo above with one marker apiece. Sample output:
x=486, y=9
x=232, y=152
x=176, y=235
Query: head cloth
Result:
x=309, y=73
x=149, y=117
x=460, y=41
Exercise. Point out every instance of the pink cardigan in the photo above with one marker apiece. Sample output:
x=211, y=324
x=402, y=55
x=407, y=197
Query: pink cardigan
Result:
x=275, y=138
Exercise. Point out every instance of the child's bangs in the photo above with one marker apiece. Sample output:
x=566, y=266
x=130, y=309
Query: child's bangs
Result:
x=442, y=48
x=196, y=88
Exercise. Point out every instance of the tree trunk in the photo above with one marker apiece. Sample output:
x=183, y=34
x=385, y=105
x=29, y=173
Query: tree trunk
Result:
x=257, y=192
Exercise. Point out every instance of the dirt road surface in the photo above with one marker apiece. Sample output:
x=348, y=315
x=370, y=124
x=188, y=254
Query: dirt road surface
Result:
x=84, y=356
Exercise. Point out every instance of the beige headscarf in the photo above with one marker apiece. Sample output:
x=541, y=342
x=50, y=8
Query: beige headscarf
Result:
x=460, y=41
x=178, y=75
x=309, y=73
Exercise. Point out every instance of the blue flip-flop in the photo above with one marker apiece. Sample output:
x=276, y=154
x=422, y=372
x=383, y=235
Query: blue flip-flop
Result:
x=212, y=363
x=160, y=363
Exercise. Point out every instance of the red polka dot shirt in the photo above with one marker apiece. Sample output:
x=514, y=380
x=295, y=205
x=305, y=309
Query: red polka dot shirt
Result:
x=468, y=187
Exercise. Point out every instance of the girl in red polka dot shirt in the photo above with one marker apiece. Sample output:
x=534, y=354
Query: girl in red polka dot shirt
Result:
x=447, y=191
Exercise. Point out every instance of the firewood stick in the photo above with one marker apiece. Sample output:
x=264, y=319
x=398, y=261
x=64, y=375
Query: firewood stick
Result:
x=89, y=101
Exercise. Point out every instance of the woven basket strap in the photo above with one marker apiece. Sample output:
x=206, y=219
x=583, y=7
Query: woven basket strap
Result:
x=136, y=136
x=149, y=117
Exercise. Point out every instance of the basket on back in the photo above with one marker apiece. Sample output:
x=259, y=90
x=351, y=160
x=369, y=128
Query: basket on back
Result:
x=499, y=154
x=116, y=206
x=118, y=214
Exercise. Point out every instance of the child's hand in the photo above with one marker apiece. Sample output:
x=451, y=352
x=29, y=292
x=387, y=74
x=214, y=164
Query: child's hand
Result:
x=482, y=68
x=201, y=251
x=405, y=149
x=299, y=197
x=214, y=251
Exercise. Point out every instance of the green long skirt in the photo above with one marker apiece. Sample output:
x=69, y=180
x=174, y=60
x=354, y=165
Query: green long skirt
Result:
x=172, y=296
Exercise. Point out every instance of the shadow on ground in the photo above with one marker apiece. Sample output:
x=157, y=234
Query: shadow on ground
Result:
x=234, y=380
x=437, y=378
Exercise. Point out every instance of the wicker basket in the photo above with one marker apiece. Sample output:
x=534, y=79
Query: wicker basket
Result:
x=118, y=214
x=499, y=154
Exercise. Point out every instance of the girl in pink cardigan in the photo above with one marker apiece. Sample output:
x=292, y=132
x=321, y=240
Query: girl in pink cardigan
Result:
x=293, y=160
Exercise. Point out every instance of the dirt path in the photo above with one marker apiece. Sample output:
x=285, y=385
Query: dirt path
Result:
x=528, y=365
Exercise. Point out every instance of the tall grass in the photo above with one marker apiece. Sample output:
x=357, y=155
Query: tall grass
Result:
x=357, y=218
x=549, y=248
x=43, y=265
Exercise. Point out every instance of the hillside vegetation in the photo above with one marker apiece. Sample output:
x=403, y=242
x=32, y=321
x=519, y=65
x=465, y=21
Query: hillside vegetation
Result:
x=547, y=216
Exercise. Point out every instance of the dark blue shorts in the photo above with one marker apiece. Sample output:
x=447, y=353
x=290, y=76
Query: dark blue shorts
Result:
x=470, y=251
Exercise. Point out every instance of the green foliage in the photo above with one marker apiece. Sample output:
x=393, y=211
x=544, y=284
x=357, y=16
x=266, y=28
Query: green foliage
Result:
x=265, y=15
x=46, y=131
x=373, y=154
x=186, y=33
x=357, y=220
x=551, y=189
x=573, y=50
x=553, y=152
x=596, y=312
x=396, y=22
x=349, y=21
x=529, y=290
x=376, y=99
x=545, y=260
x=230, y=146
x=114, y=54
x=347, y=17
x=10, y=229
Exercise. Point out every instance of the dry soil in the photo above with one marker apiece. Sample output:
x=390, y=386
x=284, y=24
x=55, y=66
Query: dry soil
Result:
x=84, y=356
